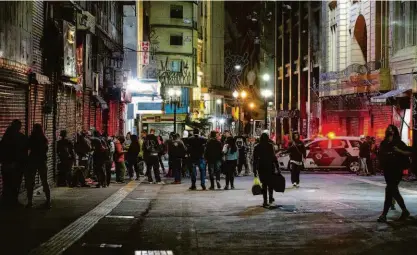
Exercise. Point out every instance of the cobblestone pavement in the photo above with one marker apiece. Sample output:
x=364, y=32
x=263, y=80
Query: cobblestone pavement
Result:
x=328, y=214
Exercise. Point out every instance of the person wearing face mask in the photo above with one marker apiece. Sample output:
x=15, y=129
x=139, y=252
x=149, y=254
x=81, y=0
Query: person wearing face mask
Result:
x=394, y=157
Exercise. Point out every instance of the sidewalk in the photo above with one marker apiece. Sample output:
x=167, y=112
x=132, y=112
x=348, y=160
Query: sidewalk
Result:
x=25, y=229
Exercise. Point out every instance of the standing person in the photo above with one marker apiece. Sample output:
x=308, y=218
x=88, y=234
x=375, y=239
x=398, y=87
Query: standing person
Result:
x=364, y=154
x=66, y=156
x=394, y=157
x=13, y=159
x=132, y=156
x=109, y=161
x=213, y=156
x=82, y=149
x=251, y=147
x=151, y=151
x=264, y=163
x=38, y=146
x=196, y=145
x=186, y=162
x=369, y=164
x=374, y=155
x=297, y=152
x=231, y=155
x=119, y=160
x=161, y=153
x=141, y=161
x=242, y=147
x=167, y=145
x=100, y=156
x=127, y=141
x=177, y=151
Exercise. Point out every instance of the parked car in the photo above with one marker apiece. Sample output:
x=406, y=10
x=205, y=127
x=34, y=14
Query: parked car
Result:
x=328, y=153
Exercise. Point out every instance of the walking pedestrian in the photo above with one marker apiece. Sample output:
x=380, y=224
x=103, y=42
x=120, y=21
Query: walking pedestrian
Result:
x=151, y=151
x=66, y=156
x=82, y=149
x=394, y=157
x=231, y=156
x=141, y=160
x=297, y=153
x=213, y=156
x=264, y=164
x=167, y=145
x=38, y=147
x=161, y=153
x=132, y=156
x=364, y=155
x=119, y=160
x=242, y=146
x=177, y=152
x=13, y=159
x=196, y=145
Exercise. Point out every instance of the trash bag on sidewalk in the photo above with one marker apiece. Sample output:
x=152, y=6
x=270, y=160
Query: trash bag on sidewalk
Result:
x=256, y=188
x=278, y=182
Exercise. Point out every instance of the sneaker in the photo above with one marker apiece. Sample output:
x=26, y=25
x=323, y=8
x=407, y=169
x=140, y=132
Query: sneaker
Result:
x=265, y=205
x=137, y=179
x=271, y=200
x=218, y=185
x=404, y=215
x=192, y=188
x=382, y=219
x=203, y=187
x=211, y=188
x=233, y=187
x=297, y=185
x=160, y=183
x=294, y=185
x=226, y=188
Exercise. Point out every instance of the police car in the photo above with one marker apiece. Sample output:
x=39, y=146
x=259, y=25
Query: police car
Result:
x=331, y=152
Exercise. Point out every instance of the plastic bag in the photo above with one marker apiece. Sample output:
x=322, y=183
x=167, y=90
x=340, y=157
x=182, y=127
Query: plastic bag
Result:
x=256, y=188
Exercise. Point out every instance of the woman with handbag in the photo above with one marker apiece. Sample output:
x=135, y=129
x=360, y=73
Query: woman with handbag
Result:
x=264, y=163
x=394, y=157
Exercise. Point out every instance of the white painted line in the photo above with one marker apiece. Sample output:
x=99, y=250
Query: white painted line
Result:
x=120, y=217
x=380, y=184
x=69, y=235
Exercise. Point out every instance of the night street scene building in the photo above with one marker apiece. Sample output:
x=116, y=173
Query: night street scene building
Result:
x=300, y=116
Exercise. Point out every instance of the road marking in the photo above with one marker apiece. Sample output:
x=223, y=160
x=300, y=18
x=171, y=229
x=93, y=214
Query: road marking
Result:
x=154, y=253
x=380, y=184
x=120, y=217
x=69, y=235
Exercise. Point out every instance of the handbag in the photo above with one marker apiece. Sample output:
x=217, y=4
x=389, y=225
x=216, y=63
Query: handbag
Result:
x=278, y=182
x=256, y=187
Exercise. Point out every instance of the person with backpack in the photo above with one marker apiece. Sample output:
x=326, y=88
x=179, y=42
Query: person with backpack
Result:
x=213, y=156
x=196, y=145
x=132, y=156
x=82, y=149
x=101, y=154
x=151, y=151
x=66, y=156
x=119, y=159
x=177, y=150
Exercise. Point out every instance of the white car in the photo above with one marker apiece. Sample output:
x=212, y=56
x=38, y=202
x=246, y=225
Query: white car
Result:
x=340, y=152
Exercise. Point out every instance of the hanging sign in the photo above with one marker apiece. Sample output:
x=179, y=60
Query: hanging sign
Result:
x=144, y=48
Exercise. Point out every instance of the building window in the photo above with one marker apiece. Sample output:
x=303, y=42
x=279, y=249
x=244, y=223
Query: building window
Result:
x=405, y=29
x=412, y=30
x=176, y=40
x=176, y=12
x=176, y=66
x=333, y=48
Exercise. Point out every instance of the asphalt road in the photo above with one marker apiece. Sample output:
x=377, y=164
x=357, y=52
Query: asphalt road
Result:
x=328, y=214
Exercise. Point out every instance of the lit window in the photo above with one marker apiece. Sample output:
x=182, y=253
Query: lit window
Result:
x=176, y=12
x=176, y=66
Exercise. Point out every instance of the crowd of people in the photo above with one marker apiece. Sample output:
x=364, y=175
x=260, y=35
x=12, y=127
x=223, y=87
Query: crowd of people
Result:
x=95, y=155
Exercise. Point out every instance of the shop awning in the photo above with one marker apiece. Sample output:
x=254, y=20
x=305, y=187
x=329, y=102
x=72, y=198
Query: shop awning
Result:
x=103, y=103
x=384, y=97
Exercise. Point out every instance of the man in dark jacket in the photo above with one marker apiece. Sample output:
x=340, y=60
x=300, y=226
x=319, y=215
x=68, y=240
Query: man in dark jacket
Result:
x=177, y=152
x=13, y=157
x=242, y=146
x=66, y=155
x=151, y=149
x=297, y=152
x=196, y=145
x=213, y=156
x=365, y=155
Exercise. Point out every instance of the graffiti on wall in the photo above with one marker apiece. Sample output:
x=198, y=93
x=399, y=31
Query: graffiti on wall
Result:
x=233, y=67
x=180, y=77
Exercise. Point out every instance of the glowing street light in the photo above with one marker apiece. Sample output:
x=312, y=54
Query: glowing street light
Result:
x=238, y=67
x=219, y=101
x=265, y=77
x=252, y=105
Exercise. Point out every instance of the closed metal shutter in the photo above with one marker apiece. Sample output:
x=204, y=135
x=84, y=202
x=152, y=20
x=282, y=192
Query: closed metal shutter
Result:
x=12, y=106
x=92, y=114
x=121, y=119
x=113, y=118
x=66, y=115
x=37, y=35
x=86, y=111
x=99, y=119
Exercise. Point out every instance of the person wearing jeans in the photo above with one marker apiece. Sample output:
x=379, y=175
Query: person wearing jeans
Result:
x=213, y=156
x=231, y=153
x=297, y=153
x=151, y=149
x=196, y=146
x=176, y=149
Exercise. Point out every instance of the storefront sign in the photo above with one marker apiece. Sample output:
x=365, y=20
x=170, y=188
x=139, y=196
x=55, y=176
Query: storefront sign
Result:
x=86, y=21
x=80, y=65
x=288, y=114
x=69, y=50
x=144, y=48
x=404, y=81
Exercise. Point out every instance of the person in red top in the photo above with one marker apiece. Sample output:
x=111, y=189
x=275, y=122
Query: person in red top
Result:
x=119, y=160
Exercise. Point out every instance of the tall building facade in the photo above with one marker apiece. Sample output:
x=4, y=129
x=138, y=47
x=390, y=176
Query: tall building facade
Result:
x=297, y=67
x=173, y=36
x=354, y=68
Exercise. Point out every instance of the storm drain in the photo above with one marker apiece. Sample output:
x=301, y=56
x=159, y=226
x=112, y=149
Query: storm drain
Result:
x=154, y=253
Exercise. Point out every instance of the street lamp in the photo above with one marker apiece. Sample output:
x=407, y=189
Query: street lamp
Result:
x=266, y=93
x=174, y=95
x=238, y=67
x=239, y=96
x=265, y=77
